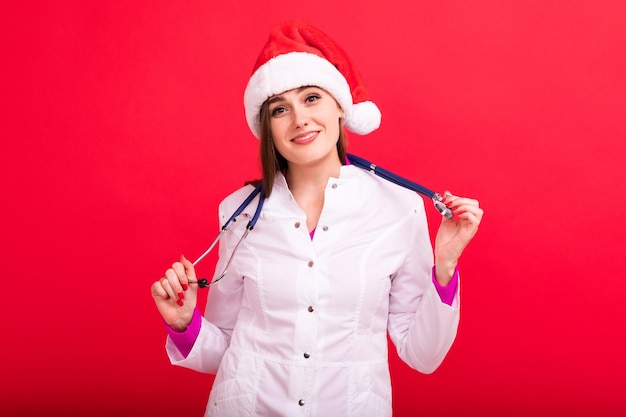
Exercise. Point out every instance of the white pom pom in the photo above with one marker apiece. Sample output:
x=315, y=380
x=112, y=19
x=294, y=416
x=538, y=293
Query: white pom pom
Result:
x=363, y=118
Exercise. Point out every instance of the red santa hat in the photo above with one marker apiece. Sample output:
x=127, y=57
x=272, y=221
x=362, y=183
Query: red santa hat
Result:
x=297, y=55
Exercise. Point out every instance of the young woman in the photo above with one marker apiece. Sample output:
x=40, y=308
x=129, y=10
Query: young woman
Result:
x=338, y=259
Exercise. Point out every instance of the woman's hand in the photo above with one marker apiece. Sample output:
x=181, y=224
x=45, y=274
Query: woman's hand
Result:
x=174, y=297
x=455, y=234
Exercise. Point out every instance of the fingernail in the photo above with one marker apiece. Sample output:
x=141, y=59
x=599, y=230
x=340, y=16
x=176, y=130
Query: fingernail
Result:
x=185, y=286
x=181, y=295
x=180, y=302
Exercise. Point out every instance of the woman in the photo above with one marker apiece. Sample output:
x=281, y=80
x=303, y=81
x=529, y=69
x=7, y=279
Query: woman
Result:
x=339, y=258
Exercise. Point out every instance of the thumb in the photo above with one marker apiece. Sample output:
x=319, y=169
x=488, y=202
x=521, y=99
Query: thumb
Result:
x=191, y=290
x=189, y=269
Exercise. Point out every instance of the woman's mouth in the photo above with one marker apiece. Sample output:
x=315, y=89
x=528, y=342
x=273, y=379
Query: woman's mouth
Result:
x=305, y=138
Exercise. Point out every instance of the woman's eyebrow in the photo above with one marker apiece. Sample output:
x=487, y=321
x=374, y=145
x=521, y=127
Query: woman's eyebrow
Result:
x=280, y=98
x=275, y=99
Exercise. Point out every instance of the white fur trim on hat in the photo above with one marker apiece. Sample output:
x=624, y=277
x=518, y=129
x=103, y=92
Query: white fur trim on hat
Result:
x=363, y=118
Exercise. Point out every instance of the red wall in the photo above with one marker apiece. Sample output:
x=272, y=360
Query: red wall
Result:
x=123, y=127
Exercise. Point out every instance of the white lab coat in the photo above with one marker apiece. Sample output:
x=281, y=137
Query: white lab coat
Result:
x=298, y=327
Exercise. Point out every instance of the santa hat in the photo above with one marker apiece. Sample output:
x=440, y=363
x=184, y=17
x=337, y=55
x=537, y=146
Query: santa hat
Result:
x=297, y=55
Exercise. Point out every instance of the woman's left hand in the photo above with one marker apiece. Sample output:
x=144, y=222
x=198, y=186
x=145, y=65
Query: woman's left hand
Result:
x=455, y=234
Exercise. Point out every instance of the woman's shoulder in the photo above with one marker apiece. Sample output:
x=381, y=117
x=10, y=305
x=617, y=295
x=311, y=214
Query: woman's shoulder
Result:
x=385, y=191
x=232, y=201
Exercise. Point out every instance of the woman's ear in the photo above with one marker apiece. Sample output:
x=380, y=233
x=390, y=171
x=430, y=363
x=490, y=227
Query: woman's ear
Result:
x=342, y=114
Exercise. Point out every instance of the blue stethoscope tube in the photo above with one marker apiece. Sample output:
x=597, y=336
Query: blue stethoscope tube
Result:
x=403, y=182
x=203, y=283
x=354, y=160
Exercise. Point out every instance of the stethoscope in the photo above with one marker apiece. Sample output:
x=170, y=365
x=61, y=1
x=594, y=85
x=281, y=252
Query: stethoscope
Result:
x=354, y=160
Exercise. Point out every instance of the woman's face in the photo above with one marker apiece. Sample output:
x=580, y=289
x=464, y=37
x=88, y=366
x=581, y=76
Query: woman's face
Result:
x=305, y=125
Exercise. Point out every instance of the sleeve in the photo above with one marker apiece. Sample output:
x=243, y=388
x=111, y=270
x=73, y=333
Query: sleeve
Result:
x=185, y=340
x=420, y=325
x=447, y=292
x=222, y=308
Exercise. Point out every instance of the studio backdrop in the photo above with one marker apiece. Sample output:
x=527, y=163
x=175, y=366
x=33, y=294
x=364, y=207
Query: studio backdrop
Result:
x=123, y=128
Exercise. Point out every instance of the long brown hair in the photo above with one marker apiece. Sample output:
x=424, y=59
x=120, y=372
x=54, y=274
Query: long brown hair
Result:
x=272, y=161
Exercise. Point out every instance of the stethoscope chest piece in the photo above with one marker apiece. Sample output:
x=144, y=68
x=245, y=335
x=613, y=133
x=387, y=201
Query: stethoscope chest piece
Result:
x=441, y=207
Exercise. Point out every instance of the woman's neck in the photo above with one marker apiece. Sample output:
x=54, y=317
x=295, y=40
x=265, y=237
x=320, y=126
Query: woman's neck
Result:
x=312, y=177
x=307, y=185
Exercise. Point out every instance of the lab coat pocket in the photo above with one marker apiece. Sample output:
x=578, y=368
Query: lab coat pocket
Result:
x=229, y=403
x=371, y=386
x=229, y=400
x=234, y=389
x=374, y=406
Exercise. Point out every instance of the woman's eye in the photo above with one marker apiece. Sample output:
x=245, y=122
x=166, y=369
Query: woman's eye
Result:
x=312, y=97
x=278, y=111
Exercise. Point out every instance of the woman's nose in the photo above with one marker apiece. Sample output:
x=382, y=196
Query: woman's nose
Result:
x=301, y=117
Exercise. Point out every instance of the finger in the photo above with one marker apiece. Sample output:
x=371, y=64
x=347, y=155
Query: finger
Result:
x=469, y=212
x=184, y=276
x=458, y=201
x=468, y=218
x=468, y=207
x=465, y=204
x=189, y=268
x=171, y=283
x=477, y=212
x=453, y=202
x=157, y=290
x=470, y=223
x=180, y=273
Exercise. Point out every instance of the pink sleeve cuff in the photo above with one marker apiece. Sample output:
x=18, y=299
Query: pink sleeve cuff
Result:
x=447, y=292
x=185, y=340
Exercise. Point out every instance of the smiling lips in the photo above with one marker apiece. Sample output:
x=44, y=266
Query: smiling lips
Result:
x=305, y=138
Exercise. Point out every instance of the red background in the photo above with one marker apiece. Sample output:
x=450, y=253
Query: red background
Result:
x=123, y=127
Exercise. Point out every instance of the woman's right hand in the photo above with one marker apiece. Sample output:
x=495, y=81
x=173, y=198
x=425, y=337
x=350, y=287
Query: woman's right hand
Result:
x=174, y=297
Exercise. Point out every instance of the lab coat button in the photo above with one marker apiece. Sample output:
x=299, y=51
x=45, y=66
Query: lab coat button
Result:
x=296, y=225
x=301, y=402
x=310, y=309
x=334, y=186
x=307, y=355
x=310, y=264
x=325, y=228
